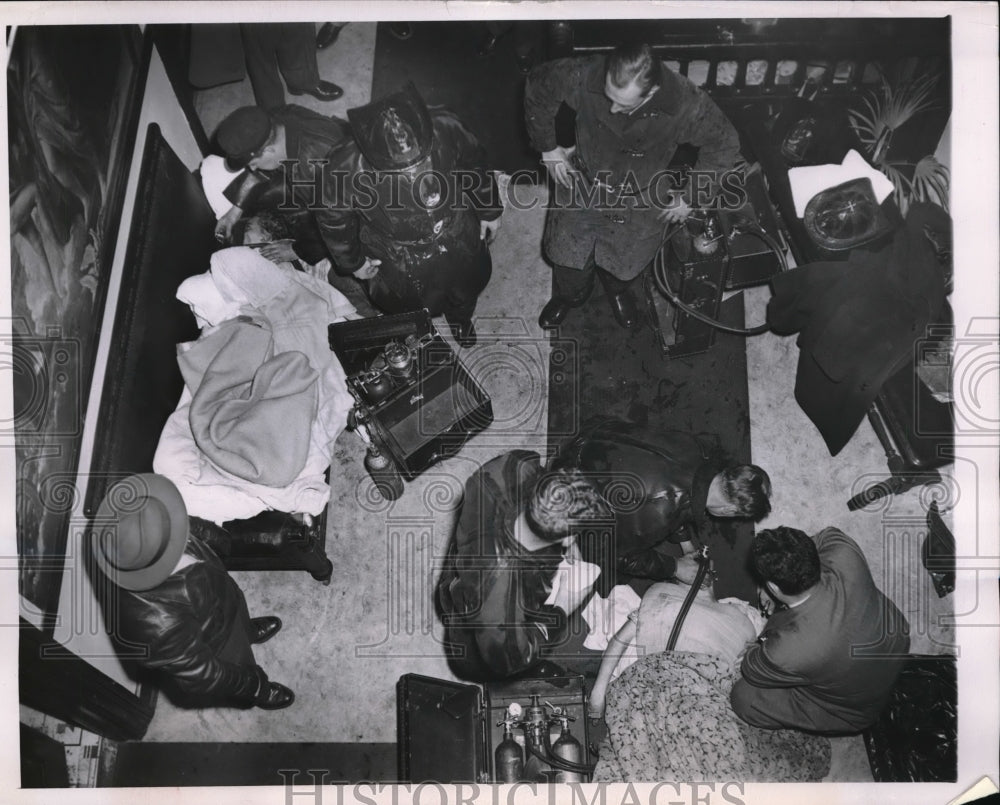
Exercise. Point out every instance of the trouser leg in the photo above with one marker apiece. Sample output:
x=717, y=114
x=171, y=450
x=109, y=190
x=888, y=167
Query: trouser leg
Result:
x=296, y=48
x=262, y=65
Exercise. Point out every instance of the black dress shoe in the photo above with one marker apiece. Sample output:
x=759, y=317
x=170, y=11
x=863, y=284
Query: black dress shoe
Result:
x=276, y=697
x=263, y=629
x=327, y=34
x=624, y=309
x=488, y=45
x=554, y=313
x=323, y=91
x=464, y=333
x=401, y=30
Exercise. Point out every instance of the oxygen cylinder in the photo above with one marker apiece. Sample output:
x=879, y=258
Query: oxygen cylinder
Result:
x=387, y=479
x=568, y=748
x=508, y=758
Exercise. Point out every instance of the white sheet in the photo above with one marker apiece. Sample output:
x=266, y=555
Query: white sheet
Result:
x=299, y=307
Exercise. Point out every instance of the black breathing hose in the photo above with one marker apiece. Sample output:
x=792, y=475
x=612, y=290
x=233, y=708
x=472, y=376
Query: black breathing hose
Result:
x=699, y=577
x=662, y=279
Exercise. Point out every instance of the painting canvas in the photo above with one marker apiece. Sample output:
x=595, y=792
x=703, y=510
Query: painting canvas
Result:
x=73, y=102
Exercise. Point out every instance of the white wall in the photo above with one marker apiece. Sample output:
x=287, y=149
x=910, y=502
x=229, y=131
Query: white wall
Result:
x=80, y=626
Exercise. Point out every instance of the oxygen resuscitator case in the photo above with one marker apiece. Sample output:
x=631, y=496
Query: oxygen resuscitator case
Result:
x=448, y=732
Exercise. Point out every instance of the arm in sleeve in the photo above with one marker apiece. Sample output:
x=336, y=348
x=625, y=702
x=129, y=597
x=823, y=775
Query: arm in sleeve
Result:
x=715, y=136
x=340, y=230
x=760, y=670
x=180, y=652
x=471, y=158
x=548, y=86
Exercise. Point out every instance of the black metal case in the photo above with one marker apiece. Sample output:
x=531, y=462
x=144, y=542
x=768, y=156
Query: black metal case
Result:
x=447, y=731
x=417, y=418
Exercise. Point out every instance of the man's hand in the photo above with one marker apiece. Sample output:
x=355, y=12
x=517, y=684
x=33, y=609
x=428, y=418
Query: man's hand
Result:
x=368, y=269
x=280, y=251
x=224, y=227
x=675, y=212
x=557, y=163
x=488, y=230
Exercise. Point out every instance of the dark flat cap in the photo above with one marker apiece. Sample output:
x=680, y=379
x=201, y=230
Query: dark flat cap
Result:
x=241, y=134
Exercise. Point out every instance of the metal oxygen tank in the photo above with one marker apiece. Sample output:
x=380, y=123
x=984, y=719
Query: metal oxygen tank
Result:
x=508, y=759
x=384, y=473
x=568, y=748
x=536, y=730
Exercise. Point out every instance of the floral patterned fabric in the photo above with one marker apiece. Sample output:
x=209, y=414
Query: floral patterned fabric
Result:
x=669, y=718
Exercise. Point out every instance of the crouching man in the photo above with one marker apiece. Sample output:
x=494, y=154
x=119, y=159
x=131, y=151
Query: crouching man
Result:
x=499, y=597
x=173, y=603
x=830, y=654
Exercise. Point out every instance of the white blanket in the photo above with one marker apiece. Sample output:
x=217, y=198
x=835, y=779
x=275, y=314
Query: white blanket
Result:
x=298, y=307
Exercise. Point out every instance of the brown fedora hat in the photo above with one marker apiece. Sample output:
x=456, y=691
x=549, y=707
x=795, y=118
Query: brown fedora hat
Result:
x=140, y=531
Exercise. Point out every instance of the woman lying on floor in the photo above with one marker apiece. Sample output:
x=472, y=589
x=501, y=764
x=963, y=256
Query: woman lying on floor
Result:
x=668, y=714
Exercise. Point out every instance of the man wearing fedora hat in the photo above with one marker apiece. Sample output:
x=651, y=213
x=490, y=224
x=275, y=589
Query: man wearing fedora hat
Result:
x=174, y=602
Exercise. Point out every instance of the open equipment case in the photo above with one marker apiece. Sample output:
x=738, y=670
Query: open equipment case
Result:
x=450, y=732
x=415, y=401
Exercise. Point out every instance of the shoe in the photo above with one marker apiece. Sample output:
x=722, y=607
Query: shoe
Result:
x=276, y=697
x=323, y=91
x=488, y=45
x=263, y=629
x=327, y=34
x=401, y=30
x=464, y=333
x=554, y=313
x=624, y=309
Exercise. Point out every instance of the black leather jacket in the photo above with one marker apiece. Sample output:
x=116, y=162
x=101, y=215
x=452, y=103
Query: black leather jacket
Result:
x=183, y=626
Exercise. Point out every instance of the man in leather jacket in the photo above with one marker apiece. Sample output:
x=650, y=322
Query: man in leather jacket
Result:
x=664, y=487
x=256, y=144
x=174, y=608
x=495, y=594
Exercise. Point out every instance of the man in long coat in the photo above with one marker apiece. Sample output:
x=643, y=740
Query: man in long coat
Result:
x=613, y=192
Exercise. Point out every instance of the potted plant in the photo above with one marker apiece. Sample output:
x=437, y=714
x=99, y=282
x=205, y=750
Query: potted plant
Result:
x=882, y=111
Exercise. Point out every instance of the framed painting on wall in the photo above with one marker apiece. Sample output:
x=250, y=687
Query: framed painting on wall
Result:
x=74, y=94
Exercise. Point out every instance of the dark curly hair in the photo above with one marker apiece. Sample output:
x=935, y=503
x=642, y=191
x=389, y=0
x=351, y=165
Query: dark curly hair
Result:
x=561, y=501
x=787, y=557
x=748, y=488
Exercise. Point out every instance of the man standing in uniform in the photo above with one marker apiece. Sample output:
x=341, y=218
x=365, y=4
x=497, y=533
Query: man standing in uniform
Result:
x=632, y=113
x=418, y=207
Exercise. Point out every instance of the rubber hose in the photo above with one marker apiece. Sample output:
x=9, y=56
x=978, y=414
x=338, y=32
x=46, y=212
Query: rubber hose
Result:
x=663, y=282
x=688, y=600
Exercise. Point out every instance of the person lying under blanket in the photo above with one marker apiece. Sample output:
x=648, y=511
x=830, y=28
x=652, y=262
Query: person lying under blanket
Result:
x=262, y=362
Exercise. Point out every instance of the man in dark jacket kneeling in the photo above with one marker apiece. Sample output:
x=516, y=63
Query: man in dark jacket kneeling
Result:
x=175, y=608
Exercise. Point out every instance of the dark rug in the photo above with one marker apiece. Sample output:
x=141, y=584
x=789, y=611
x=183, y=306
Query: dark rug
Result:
x=487, y=93
x=597, y=368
